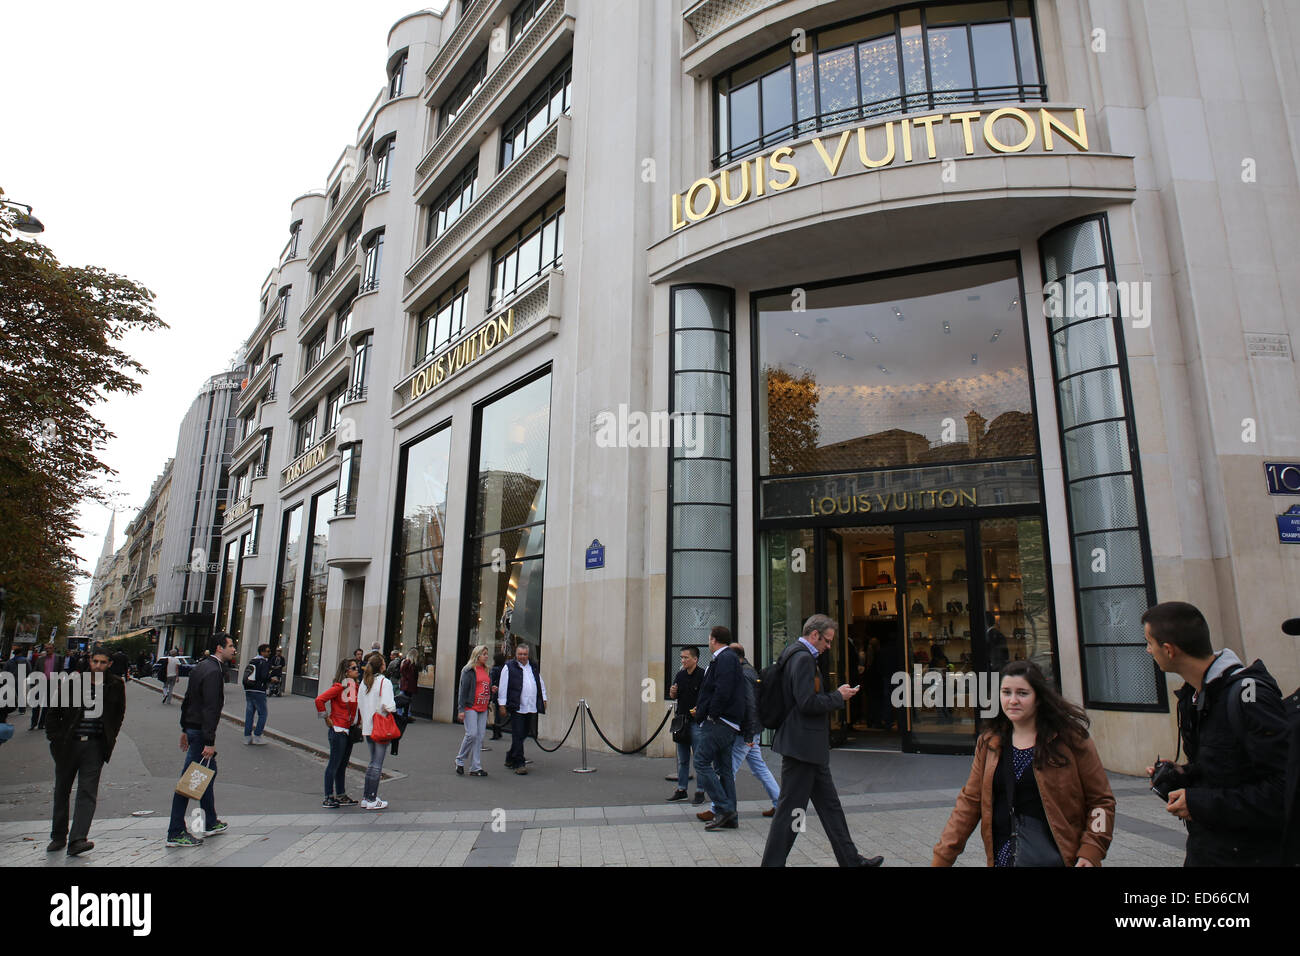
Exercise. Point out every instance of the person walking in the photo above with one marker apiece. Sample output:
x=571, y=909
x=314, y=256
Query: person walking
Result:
x=1037, y=789
x=718, y=713
x=81, y=744
x=473, y=701
x=498, y=664
x=375, y=696
x=341, y=720
x=43, y=664
x=523, y=697
x=685, y=690
x=409, y=681
x=749, y=750
x=803, y=741
x=200, y=714
x=1233, y=726
x=18, y=665
x=173, y=672
x=257, y=678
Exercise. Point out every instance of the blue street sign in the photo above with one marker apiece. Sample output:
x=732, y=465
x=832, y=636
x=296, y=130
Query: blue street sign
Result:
x=595, y=555
x=1288, y=526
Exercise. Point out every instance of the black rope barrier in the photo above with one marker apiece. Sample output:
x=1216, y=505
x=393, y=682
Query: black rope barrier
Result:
x=551, y=750
x=668, y=713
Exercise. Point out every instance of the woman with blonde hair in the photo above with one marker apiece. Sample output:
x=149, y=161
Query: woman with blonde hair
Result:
x=472, y=702
x=1037, y=789
x=374, y=696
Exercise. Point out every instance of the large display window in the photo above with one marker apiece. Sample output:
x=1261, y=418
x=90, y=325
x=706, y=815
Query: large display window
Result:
x=506, y=541
x=311, y=619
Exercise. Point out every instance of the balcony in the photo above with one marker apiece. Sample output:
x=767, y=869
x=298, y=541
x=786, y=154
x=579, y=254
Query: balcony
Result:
x=249, y=443
x=256, y=382
x=345, y=270
x=356, y=192
x=354, y=394
x=708, y=18
x=332, y=362
x=539, y=169
x=550, y=20
x=271, y=322
x=471, y=21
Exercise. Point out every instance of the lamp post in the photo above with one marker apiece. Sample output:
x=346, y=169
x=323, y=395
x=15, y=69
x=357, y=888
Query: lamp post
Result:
x=25, y=222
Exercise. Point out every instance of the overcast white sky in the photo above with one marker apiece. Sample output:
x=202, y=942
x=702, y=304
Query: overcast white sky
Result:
x=165, y=141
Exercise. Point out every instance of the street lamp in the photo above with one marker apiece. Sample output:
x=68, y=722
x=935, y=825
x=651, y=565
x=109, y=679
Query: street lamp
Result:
x=25, y=222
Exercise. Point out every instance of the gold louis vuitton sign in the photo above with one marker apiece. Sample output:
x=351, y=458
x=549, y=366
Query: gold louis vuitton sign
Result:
x=463, y=354
x=863, y=503
x=308, y=460
x=878, y=145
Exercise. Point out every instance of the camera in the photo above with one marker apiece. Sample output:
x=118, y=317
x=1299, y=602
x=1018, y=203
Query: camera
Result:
x=1166, y=776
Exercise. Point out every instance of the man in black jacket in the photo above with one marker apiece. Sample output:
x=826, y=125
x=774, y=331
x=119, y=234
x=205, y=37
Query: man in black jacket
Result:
x=685, y=690
x=718, y=715
x=257, y=678
x=200, y=713
x=803, y=740
x=81, y=743
x=1234, y=732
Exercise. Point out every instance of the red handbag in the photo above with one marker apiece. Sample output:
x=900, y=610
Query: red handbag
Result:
x=383, y=727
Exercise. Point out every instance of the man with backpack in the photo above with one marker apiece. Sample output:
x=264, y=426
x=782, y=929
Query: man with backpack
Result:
x=257, y=677
x=792, y=687
x=1232, y=725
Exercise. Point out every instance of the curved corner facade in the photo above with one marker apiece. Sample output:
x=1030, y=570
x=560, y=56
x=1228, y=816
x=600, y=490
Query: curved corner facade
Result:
x=962, y=323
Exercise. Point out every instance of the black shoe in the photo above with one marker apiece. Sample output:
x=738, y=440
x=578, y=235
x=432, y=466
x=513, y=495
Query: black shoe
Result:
x=869, y=861
x=78, y=847
x=699, y=798
x=677, y=795
x=56, y=845
x=672, y=777
x=460, y=771
x=478, y=773
x=723, y=821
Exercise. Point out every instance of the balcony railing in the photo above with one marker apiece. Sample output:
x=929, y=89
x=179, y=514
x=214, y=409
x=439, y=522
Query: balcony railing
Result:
x=345, y=505
x=355, y=393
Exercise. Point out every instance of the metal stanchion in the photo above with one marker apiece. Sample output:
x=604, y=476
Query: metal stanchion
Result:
x=582, y=705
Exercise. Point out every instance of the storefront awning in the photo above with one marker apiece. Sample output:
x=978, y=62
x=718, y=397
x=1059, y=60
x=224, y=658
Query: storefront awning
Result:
x=123, y=637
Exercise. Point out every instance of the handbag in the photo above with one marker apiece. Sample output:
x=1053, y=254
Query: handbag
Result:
x=681, y=728
x=383, y=727
x=1032, y=843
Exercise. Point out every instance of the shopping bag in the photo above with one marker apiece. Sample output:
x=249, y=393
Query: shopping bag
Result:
x=195, y=780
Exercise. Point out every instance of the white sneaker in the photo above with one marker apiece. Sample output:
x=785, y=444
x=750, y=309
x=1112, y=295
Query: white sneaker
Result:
x=259, y=741
x=373, y=804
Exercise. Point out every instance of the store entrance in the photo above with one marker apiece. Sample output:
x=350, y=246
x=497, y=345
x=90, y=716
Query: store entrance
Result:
x=929, y=613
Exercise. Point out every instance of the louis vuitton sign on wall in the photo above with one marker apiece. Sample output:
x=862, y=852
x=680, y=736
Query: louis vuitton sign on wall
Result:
x=878, y=145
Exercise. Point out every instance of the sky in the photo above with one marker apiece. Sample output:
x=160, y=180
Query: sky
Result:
x=165, y=141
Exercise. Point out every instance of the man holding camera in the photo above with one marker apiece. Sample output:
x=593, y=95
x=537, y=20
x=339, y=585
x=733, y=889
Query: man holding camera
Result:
x=1231, y=723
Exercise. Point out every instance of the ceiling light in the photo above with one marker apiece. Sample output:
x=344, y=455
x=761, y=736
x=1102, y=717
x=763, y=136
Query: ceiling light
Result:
x=996, y=333
x=898, y=314
x=872, y=336
x=883, y=369
x=974, y=358
x=947, y=329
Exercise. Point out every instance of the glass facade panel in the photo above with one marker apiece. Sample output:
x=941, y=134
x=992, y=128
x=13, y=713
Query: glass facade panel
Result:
x=505, y=594
x=311, y=621
x=925, y=368
x=284, y=616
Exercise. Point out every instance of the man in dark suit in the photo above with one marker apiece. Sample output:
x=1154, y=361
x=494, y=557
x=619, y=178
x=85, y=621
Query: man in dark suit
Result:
x=719, y=712
x=803, y=740
x=81, y=742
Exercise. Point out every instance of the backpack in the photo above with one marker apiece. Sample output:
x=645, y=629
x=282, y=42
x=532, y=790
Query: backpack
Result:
x=773, y=706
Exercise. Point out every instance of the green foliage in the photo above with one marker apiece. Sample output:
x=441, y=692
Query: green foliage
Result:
x=59, y=329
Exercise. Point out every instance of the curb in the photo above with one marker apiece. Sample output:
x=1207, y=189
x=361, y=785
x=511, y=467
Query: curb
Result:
x=288, y=739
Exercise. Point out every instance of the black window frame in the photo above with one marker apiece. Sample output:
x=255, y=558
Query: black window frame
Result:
x=455, y=297
x=397, y=76
x=374, y=260
x=450, y=109
x=551, y=212
x=559, y=81
x=384, y=165
x=436, y=221
x=523, y=14
x=314, y=350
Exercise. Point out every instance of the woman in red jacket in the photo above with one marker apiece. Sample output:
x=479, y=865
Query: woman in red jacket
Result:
x=342, y=698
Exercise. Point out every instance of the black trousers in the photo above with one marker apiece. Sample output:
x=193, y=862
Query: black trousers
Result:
x=521, y=728
x=81, y=761
x=801, y=781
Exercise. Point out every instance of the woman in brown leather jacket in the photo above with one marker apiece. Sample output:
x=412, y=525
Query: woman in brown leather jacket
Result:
x=1052, y=779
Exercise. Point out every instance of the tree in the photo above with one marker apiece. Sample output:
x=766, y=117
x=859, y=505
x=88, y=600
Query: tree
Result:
x=792, y=426
x=59, y=326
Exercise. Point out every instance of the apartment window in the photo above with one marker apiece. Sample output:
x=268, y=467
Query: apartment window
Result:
x=315, y=350
x=543, y=105
x=374, y=254
x=397, y=76
x=442, y=321
x=332, y=405
x=353, y=236
x=384, y=165
x=521, y=16
x=266, y=302
x=241, y=485
x=349, y=478
x=536, y=246
x=343, y=323
x=322, y=274
x=453, y=201
x=463, y=93
x=295, y=231
x=304, y=433
x=246, y=425
x=361, y=367
x=285, y=295
x=334, y=197
x=919, y=58
x=263, y=456
x=275, y=378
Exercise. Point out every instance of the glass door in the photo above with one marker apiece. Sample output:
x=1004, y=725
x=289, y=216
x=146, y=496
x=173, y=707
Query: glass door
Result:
x=938, y=608
x=834, y=665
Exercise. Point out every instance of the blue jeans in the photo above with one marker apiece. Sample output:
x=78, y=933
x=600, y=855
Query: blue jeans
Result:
x=209, y=802
x=336, y=769
x=714, y=741
x=684, y=757
x=377, y=754
x=743, y=753
x=254, y=702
